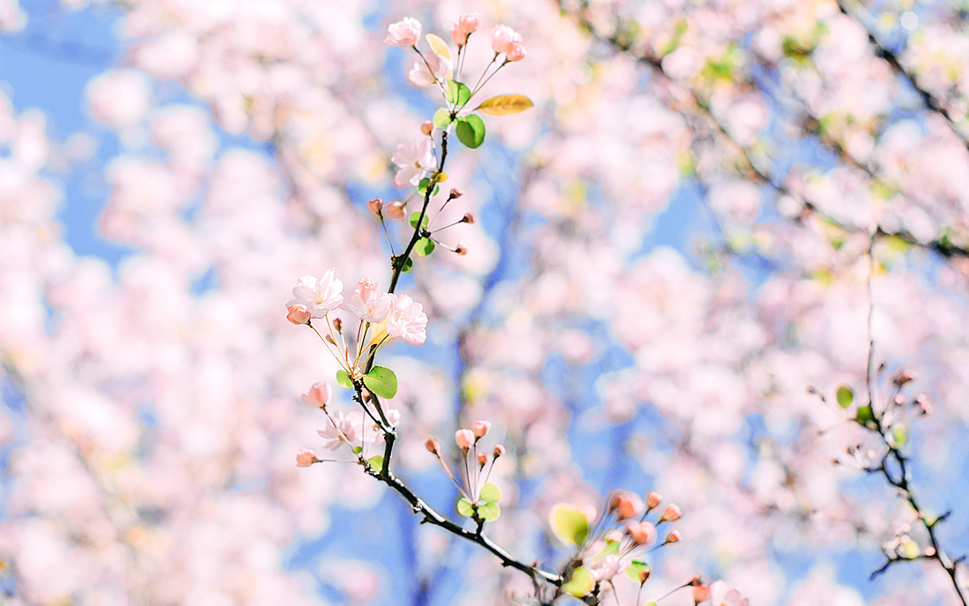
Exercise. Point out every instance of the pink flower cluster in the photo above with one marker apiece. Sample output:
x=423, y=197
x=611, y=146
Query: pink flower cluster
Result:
x=316, y=298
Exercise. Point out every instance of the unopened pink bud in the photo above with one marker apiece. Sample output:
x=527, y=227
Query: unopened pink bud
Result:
x=671, y=513
x=305, y=457
x=318, y=396
x=298, y=314
x=375, y=207
x=499, y=450
x=674, y=537
x=468, y=218
x=482, y=459
x=653, y=499
x=338, y=324
x=427, y=128
x=480, y=428
x=464, y=27
x=455, y=194
x=643, y=533
x=644, y=574
x=464, y=439
x=905, y=376
x=395, y=210
x=516, y=52
x=461, y=250
x=432, y=446
x=624, y=506
x=700, y=593
x=925, y=407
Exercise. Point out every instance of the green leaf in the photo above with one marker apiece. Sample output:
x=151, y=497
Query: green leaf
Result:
x=414, y=216
x=490, y=493
x=845, y=396
x=489, y=512
x=438, y=46
x=569, y=524
x=424, y=247
x=502, y=105
x=898, y=434
x=357, y=450
x=471, y=131
x=465, y=508
x=376, y=463
x=909, y=550
x=458, y=93
x=635, y=568
x=343, y=379
x=408, y=265
x=612, y=547
x=864, y=415
x=581, y=582
x=442, y=118
x=382, y=381
x=423, y=185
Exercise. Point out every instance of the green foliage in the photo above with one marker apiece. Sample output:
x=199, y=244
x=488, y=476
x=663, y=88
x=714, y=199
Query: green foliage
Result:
x=490, y=493
x=376, y=463
x=414, y=216
x=465, y=507
x=845, y=396
x=442, y=118
x=635, y=568
x=489, y=512
x=569, y=524
x=343, y=379
x=865, y=416
x=503, y=105
x=580, y=583
x=381, y=381
x=424, y=247
x=471, y=131
x=458, y=93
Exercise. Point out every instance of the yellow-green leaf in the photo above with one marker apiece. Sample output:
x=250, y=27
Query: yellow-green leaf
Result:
x=569, y=524
x=502, y=105
x=438, y=46
x=490, y=493
x=581, y=582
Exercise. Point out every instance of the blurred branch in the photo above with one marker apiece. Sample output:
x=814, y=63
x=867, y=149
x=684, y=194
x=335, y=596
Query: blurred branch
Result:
x=750, y=169
x=852, y=9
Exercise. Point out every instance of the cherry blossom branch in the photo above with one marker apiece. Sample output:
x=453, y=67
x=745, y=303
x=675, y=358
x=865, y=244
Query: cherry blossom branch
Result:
x=901, y=481
x=751, y=169
x=890, y=57
x=431, y=516
x=401, y=259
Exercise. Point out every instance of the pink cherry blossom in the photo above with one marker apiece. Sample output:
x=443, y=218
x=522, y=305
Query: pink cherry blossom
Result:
x=346, y=424
x=671, y=513
x=319, y=395
x=721, y=594
x=466, y=25
x=464, y=438
x=503, y=38
x=405, y=33
x=480, y=428
x=367, y=304
x=415, y=158
x=515, y=51
x=428, y=70
x=407, y=320
x=319, y=297
x=305, y=457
